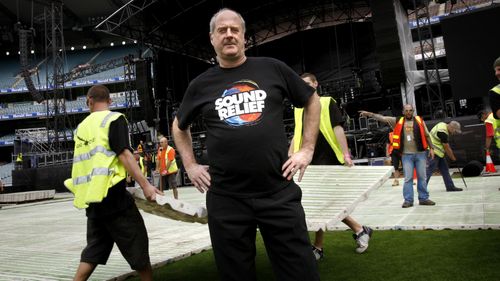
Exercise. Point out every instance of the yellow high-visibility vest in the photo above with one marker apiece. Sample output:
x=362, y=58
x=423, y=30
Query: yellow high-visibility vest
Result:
x=325, y=127
x=142, y=166
x=436, y=142
x=96, y=167
x=496, y=127
x=173, y=165
x=496, y=89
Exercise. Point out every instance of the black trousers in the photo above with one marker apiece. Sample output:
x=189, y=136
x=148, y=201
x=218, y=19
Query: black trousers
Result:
x=281, y=221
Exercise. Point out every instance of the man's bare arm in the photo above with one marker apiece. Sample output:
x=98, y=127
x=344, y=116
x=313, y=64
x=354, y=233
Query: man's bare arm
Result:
x=390, y=120
x=134, y=170
x=449, y=152
x=198, y=174
x=301, y=159
x=340, y=134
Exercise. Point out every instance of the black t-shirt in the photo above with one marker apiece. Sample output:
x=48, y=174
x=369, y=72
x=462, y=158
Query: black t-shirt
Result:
x=323, y=152
x=494, y=103
x=443, y=137
x=242, y=108
x=118, y=198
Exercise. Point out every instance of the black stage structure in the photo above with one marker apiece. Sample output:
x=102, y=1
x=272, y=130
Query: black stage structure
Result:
x=352, y=46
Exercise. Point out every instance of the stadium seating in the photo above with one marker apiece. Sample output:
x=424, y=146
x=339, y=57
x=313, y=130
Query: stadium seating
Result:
x=11, y=67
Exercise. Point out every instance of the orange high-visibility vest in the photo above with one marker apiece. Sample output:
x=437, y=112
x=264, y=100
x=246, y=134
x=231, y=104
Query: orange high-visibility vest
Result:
x=396, y=143
x=391, y=142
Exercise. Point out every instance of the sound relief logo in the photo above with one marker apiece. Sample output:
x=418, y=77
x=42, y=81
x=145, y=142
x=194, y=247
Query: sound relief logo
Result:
x=241, y=104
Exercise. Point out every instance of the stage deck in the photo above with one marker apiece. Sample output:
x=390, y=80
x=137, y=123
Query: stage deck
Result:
x=43, y=240
x=331, y=193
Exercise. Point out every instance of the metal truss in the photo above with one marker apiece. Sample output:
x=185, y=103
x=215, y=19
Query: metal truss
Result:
x=320, y=14
x=37, y=138
x=83, y=71
x=429, y=59
x=278, y=26
x=124, y=24
x=116, y=20
x=57, y=117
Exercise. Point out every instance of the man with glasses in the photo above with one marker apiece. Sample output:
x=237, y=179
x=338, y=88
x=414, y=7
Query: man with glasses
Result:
x=411, y=137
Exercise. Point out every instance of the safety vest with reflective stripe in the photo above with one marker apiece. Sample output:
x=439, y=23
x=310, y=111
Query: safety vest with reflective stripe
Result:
x=398, y=128
x=436, y=142
x=325, y=127
x=142, y=166
x=391, y=134
x=173, y=165
x=96, y=168
x=496, y=89
x=496, y=127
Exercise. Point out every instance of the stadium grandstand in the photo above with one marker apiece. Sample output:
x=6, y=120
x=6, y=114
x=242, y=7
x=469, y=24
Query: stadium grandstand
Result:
x=367, y=54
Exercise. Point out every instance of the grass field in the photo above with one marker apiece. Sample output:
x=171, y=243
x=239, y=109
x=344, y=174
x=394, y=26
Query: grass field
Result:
x=393, y=255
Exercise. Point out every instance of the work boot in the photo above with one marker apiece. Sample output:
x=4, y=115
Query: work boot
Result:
x=427, y=202
x=407, y=204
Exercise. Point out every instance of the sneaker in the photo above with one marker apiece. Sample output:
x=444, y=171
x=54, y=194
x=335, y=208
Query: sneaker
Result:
x=454, y=189
x=427, y=202
x=395, y=183
x=407, y=204
x=362, y=239
x=318, y=253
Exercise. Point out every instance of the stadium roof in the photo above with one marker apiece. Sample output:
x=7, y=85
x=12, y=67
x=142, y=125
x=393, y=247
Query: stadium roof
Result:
x=179, y=26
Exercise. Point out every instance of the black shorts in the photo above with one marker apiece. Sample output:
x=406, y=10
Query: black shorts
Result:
x=396, y=159
x=129, y=233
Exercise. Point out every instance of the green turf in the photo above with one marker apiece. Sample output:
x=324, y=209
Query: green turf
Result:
x=393, y=255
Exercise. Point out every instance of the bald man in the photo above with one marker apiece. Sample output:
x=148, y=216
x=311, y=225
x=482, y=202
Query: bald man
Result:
x=411, y=137
x=167, y=167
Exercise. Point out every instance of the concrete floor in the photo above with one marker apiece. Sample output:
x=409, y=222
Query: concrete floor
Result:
x=476, y=207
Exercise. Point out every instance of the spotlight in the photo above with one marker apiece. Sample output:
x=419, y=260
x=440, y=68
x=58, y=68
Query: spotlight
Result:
x=112, y=44
x=84, y=47
x=7, y=53
x=72, y=48
x=123, y=42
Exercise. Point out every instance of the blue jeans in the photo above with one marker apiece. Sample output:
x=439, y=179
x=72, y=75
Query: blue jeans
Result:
x=443, y=169
x=415, y=161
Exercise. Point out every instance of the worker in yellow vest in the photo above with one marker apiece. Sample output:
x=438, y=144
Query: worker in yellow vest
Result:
x=19, y=161
x=142, y=165
x=492, y=130
x=440, y=140
x=102, y=158
x=494, y=95
x=140, y=147
x=331, y=149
